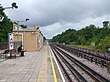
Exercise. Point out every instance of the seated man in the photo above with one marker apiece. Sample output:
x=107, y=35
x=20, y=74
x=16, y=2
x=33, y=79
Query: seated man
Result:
x=19, y=49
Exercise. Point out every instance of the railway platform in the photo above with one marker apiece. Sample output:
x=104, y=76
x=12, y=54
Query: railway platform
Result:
x=33, y=67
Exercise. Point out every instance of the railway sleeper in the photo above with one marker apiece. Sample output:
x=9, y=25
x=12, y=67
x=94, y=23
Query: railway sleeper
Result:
x=103, y=63
x=108, y=66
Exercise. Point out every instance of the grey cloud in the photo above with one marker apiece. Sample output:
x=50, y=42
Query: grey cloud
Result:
x=48, y=12
x=59, y=13
x=70, y=11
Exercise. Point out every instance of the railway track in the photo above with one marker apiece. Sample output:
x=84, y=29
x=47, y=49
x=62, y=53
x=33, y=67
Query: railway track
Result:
x=68, y=60
x=71, y=48
x=89, y=55
x=70, y=68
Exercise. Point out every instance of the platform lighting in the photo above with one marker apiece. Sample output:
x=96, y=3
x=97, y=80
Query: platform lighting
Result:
x=18, y=24
x=22, y=20
x=13, y=5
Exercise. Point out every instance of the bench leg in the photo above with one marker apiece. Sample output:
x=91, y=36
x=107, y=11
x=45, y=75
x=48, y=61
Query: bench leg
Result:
x=10, y=56
x=15, y=56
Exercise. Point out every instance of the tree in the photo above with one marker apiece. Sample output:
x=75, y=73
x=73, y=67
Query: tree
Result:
x=5, y=27
x=23, y=26
x=104, y=44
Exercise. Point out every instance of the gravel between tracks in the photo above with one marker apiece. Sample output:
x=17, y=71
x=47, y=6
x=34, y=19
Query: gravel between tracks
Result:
x=97, y=68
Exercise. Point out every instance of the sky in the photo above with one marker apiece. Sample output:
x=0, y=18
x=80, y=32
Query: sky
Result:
x=55, y=16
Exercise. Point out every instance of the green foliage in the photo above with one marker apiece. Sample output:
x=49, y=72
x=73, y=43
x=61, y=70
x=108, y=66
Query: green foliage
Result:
x=66, y=37
x=104, y=44
x=5, y=27
x=84, y=36
x=23, y=26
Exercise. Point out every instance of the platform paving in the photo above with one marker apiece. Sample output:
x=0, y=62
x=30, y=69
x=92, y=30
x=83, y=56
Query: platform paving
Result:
x=33, y=67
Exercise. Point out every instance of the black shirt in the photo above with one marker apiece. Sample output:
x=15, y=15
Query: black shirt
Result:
x=19, y=49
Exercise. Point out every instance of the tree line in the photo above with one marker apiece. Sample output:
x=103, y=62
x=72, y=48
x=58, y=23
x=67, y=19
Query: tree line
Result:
x=85, y=36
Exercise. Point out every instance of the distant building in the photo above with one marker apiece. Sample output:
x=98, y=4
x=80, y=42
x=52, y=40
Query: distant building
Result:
x=30, y=38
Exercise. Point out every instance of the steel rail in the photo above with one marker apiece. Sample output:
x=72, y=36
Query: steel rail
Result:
x=70, y=47
x=77, y=75
x=94, y=74
x=67, y=75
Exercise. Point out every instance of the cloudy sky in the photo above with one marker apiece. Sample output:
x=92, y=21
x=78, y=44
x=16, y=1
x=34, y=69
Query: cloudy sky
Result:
x=56, y=16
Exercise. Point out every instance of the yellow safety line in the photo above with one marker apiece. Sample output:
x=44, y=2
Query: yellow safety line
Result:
x=53, y=69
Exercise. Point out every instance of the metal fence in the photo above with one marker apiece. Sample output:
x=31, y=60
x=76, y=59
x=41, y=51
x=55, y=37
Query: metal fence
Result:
x=5, y=45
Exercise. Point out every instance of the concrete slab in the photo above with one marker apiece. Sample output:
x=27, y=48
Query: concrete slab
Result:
x=22, y=69
x=33, y=67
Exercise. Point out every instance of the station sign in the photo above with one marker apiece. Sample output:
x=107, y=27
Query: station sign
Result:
x=93, y=44
x=11, y=41
x=10, y=37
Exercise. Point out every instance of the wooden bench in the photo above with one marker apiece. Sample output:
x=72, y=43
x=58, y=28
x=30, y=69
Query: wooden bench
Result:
x=13, y=52
x=8, y=53
x=2, y=53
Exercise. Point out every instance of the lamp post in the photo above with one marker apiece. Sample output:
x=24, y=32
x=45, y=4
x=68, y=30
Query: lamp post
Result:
x=18, y=27
x=17, y=30
x=13, y=5
x=19, y=22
